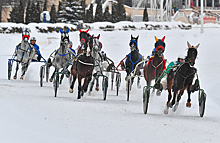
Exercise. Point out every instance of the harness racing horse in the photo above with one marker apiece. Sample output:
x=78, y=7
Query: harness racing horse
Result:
x=62, y=56
x=83, y=68
x=24, y=52
x=133, y=59
x=182, y=79
x=100, y=64
x=156, y=65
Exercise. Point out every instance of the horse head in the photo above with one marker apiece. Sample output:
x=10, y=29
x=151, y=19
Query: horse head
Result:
x=160, y=46
x=96, y=44
x=64, y=37
x=25, y=35
x=83, y=36
x=89, y=48
x=191, y=54
x=133, y=43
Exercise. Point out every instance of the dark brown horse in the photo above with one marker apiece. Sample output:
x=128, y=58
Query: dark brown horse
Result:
x=181, y=79
x=156, y=65
x=133, y=59
x=83, y=68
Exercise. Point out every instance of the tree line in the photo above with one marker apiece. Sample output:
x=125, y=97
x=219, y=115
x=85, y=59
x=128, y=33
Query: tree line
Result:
x=70, y=11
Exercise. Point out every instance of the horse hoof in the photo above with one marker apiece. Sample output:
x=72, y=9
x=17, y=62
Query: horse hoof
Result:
x=97, y=89
x=158, y=93
x=166, y=111
x=78, y=97
x=51, y=79
x=15, y=77
x=188, y=104
x=71, y=90
x=175, y=107
x=139, y=86
x=22, y=77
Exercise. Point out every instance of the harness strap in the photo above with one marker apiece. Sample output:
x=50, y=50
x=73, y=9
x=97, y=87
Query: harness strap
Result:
x=156, y=67
x=184, y=77
x=88, y=64
x=63, y=54
x=133, y=63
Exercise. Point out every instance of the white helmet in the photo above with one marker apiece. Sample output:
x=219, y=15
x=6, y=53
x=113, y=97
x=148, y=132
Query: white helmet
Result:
x=181, y=57
x=33, y=39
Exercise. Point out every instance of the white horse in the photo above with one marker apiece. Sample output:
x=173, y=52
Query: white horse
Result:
x=24, y=53
x=100, y=63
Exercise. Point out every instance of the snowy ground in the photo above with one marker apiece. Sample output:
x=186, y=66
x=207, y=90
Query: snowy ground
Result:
x=32, y=114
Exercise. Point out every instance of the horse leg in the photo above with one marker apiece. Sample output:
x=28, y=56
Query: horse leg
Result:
x=169, y=85
x=51, y=78
x=17, y=67
x=138, y=83
x=61, y=78
x=97, y=83
x=73, y=72
x=86, y=83
x=79, y=87
x=188, y=104
x=24, y=69
x=92, y=84
x=178, y=99
x=174, y=98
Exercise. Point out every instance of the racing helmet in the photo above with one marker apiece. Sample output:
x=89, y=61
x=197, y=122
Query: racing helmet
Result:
x=33, y=39
x=181, y=57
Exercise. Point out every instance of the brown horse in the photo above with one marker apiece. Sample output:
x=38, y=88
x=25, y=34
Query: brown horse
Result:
x=182, y=79
x=156, y=65
x=83, y=68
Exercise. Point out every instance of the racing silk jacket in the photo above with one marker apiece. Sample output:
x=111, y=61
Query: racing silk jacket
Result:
x=172, y=65
x=37, y=48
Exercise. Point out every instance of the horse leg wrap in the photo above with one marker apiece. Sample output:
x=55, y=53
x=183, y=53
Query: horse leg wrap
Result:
x=97, y=84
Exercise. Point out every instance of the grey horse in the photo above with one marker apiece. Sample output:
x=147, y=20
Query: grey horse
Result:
x=62, y=56
x=24, y=53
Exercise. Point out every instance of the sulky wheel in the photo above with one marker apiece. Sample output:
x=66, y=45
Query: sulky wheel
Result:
x=118, y=82
x=41, y=76
x=105, y=87
x=146, y=95
x=202, y=104
x=56, y=83
x=47, y=72
x=112, y=79
x=9, y=69
x=128, y=88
